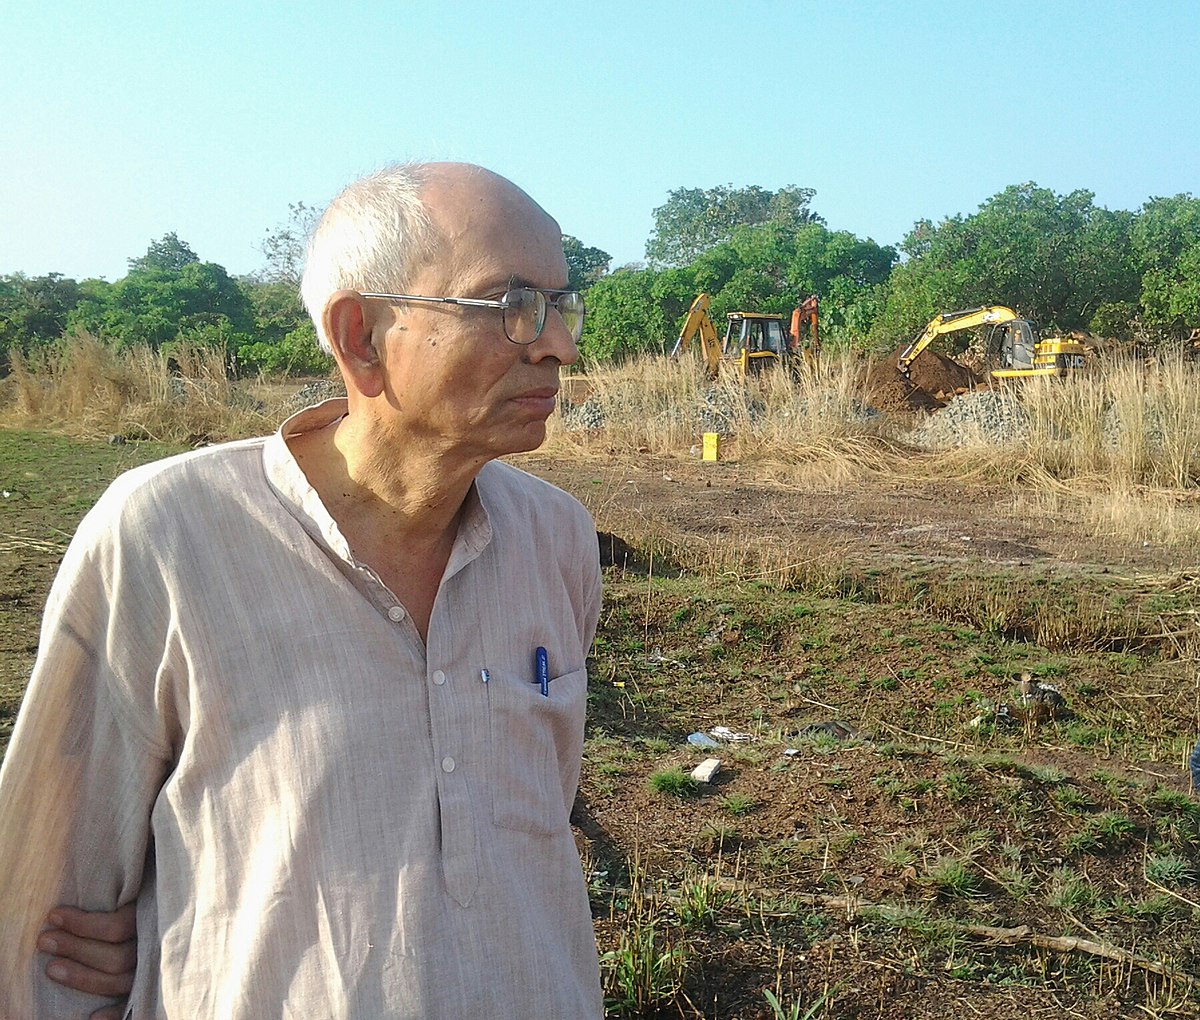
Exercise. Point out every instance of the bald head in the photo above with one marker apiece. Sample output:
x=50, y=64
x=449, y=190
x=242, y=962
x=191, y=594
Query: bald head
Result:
x=385, y=228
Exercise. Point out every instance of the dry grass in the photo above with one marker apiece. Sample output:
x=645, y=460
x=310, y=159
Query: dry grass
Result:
x=1135, y=423
x=1117, y=447
x=84, y=387
x=780, y=424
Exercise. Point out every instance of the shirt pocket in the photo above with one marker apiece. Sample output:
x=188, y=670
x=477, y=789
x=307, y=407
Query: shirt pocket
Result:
x=536, y=745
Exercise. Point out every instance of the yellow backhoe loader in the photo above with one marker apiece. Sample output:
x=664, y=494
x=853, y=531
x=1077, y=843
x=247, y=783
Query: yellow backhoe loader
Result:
x=1013, y=344
x=753, y=340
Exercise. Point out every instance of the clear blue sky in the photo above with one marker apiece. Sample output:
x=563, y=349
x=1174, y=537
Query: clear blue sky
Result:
x=124, y=121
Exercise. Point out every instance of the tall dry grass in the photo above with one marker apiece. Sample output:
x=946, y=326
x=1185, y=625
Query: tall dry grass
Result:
x=780, y=424
x=84, y=387
x=1133, y=423
x=1117, y=447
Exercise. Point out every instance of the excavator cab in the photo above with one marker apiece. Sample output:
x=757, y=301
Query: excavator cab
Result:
x=756, y=341
x=1016, y=344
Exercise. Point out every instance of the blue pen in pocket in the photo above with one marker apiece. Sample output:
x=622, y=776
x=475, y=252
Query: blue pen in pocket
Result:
x=542, y=670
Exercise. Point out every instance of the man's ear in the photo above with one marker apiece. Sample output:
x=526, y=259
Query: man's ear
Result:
x=349, y=324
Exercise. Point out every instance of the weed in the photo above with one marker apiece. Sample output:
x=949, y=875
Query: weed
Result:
x=1169, y=868
x=792, y=1011
x=739, y=804
x=700, y=902
x=958, y=786
x=1100, y=832
x=954, y=876
x=1070, y=891
x=1072, y=799
x=899, y=853
x=1016, y=882
x=1172, y=802
x=643, y=973
x=673, y=782
x=1046, y=774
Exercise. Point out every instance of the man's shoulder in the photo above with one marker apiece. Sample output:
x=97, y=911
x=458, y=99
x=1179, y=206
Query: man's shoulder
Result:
x=168, y=486
x=499, y=479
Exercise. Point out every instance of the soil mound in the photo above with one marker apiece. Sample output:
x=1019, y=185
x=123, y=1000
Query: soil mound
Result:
x=933, y=380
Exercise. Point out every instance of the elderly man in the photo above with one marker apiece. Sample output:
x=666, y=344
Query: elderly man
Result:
x=315, y=701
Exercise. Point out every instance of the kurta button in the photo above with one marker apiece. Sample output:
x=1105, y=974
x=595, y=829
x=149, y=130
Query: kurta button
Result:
x=447, y=764
x=439, y=678
x=396, y=613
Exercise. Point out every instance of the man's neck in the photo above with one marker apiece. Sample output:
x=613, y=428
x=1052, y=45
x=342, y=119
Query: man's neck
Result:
x=397, y=504
x=398, y=488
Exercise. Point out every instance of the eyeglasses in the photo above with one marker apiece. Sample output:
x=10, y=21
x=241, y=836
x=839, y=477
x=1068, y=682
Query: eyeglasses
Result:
x=524, y=310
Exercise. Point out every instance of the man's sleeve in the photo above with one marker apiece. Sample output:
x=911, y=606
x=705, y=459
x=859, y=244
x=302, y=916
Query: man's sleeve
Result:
x=85, y=764
x=591, y=591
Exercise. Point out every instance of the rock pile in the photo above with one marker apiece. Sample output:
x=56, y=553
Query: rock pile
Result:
x=991, y=417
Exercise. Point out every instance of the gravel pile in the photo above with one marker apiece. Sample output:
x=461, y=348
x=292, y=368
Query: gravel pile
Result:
x=984, y=417
x=1151, y=427
x=313, y=393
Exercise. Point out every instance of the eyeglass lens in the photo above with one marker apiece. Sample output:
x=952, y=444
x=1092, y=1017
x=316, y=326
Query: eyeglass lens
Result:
x=525, y=314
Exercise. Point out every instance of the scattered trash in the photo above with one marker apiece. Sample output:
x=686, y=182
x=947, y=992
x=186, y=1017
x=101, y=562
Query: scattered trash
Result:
x=706, y=770
x=791, y=752
x=833, y=728
x=1034, y=692
x=702, y=740
x=725, y=733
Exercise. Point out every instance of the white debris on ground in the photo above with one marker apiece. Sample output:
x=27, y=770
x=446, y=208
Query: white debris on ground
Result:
x=725, y=733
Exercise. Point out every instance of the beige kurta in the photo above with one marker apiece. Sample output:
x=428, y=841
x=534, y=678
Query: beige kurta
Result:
x=235, y=723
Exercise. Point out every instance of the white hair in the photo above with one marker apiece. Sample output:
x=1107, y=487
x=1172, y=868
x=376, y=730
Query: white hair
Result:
x=372, y=237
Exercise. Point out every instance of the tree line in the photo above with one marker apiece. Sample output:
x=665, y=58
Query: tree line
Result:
x=1057, y=259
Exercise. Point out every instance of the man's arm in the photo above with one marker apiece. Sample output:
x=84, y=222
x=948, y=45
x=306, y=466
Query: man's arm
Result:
x=79, y=780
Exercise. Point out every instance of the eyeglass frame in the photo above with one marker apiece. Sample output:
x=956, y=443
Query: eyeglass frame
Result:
x=503, y=305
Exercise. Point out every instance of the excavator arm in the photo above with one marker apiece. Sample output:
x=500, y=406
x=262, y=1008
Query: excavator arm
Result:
x=950, y=322
x=699, y=324
x=805, y=313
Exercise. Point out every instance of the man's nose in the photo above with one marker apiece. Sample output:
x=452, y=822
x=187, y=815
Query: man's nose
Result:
x=555, y=341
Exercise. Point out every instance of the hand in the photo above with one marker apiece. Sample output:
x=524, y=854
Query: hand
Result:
x=93, y=952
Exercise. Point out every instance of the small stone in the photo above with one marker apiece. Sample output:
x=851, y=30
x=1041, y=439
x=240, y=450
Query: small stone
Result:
x=706, y=770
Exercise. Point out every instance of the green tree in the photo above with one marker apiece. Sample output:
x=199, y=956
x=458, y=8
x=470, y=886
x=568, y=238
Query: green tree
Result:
x=168, y=254
x=765, y=268
x=584, y=265
x=1166, y=243
x=297, y=353
x=1053, y=258
x=692, y=220
x=34, y=310
x=168, y=293
x=623, y=317
x=285, y=247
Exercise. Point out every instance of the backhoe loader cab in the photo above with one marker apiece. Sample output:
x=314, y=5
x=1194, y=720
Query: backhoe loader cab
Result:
x=753, y=340
x=756, y=341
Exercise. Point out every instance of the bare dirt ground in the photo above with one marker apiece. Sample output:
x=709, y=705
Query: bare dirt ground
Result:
x=874, y=519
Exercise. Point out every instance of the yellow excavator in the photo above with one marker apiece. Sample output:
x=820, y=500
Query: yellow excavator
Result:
x=753, y=340
x=1013, y=343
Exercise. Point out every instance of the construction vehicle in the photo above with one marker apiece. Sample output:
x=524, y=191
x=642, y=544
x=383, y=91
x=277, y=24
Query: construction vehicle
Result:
x=753, y=340
x=1013, y=345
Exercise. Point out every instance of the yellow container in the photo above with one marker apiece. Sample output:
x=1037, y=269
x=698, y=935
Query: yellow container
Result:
x=711, y=445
